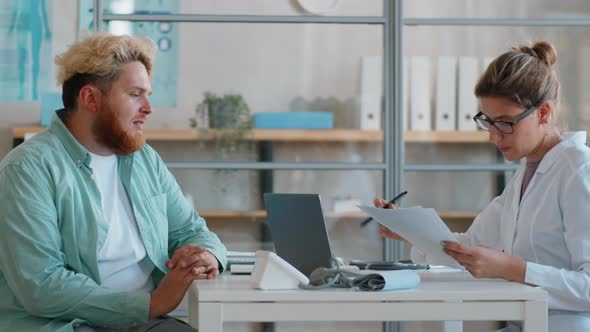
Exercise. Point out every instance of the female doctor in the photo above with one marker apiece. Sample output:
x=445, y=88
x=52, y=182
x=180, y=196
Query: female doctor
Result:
x=537, y=232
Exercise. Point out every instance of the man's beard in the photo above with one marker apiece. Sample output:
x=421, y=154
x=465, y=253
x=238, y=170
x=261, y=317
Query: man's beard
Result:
x=110, y=132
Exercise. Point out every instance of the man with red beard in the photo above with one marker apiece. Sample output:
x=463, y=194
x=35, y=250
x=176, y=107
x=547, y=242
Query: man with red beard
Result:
x=95, y=233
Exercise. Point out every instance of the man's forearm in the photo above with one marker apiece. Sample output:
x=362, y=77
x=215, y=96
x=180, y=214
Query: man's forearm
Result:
x=156, y=308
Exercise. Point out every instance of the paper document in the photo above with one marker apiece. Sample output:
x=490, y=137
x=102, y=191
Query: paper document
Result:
x=421, y=226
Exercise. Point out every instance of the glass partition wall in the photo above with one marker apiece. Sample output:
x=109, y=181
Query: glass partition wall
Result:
x=308, y=75
x=309, y=79
x=348, y=81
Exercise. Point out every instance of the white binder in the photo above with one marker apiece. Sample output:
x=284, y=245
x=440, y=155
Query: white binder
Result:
x=420, y=112
x=468, y=104
x=446, y=93
x=406, y=92
x=371, y=92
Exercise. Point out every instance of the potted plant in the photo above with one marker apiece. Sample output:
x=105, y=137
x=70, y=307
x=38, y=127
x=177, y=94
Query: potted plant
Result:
x=226, y=123
x=229, y=119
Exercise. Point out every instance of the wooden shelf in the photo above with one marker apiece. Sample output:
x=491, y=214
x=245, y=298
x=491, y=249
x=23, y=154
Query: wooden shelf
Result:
x=261, y=214
x=256, y=214
x=447, y=136
x=19, y=132
x=299, y=135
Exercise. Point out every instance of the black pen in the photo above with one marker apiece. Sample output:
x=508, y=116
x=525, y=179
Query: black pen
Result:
x=402, y=194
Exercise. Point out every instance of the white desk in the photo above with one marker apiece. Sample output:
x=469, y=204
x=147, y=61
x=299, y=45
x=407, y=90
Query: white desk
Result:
x=231, y=299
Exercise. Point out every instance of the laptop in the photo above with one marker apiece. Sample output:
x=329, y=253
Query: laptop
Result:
x=298, y=230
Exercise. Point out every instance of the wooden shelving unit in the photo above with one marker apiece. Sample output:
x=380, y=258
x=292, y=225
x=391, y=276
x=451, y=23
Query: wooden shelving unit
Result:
x=261, y=214
x=299, y=135
x=296, y=135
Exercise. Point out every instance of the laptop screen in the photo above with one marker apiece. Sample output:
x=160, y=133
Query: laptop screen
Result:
x=298, y=230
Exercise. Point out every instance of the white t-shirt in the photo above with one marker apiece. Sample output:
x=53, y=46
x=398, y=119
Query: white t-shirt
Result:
x=123, y=263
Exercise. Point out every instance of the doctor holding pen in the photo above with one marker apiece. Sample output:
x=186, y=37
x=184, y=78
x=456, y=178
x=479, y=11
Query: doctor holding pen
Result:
x=537, y=232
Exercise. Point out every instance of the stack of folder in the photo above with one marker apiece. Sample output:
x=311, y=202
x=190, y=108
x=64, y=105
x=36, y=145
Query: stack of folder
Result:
x=240, y=261
x=439, y=94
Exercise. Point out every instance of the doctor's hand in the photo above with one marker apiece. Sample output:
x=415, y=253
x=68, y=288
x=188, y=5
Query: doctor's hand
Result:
x=384, y=231
x=202, y=263
x=487, y=262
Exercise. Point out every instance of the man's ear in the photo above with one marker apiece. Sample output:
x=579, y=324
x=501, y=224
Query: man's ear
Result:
x=544, y=113
x=89, y=95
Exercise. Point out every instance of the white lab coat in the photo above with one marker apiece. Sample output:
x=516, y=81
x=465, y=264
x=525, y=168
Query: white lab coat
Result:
x=549, y=228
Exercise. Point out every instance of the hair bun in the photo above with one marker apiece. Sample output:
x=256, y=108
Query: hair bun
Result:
x=542, y=50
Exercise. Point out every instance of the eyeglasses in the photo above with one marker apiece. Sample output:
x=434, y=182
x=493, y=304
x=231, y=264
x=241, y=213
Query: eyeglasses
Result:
x=505, y=127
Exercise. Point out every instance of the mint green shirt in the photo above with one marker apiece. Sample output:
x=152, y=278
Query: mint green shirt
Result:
x=52, y=227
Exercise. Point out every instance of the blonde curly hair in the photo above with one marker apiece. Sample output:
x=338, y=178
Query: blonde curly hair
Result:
x=99, y=59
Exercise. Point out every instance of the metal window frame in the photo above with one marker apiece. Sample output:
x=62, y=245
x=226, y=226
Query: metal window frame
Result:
x=394, y=166
x=393, y=22
x=245, y=165
x=393, y=153
x=392, y=173
x=522, y=22
x=199, y=18
x=100, y=17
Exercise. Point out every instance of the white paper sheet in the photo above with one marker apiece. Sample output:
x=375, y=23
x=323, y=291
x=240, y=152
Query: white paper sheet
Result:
x=421, y=226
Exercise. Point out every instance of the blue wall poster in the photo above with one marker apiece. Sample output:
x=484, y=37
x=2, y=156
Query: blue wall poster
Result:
x=25, y=34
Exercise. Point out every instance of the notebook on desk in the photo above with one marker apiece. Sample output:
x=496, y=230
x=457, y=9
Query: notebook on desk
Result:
x=298, y=230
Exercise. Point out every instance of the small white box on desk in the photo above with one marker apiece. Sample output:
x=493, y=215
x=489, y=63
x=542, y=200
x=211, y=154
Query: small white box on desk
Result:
x=468, y=105
x=420, y=112
x=273, y=272
x=446, y=93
